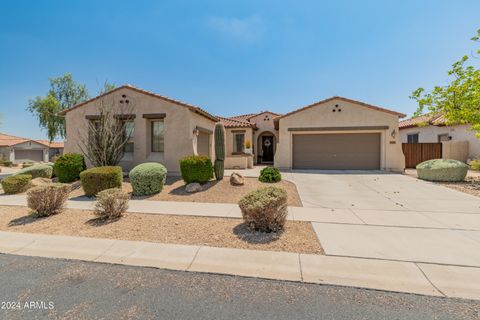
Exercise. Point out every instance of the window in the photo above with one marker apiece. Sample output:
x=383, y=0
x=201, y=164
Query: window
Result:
x=412, y=138
x=239, y=142
x=443, y=137
x=129, y=131
x=157, y=136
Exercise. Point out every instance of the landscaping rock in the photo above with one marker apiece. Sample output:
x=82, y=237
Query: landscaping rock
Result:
x=40, y=182
x=237, y=179
x=442, y=170
x=193, y=187
x=75, y=185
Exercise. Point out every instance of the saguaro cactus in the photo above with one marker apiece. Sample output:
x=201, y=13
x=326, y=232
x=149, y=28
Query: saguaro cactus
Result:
x=219, y=151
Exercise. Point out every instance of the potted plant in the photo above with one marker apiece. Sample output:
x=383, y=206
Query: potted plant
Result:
x=248, y=147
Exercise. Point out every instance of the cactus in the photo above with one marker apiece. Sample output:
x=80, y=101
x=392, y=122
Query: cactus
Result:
x=219, y=151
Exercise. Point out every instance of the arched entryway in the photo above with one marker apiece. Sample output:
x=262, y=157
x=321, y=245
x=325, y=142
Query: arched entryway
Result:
x=266, y=145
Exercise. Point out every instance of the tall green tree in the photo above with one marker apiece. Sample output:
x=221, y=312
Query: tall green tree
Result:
x=64, y=93
x=459, y=100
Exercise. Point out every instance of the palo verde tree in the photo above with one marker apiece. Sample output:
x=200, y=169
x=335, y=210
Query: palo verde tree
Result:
x=104, y=139
x=459, y=100
x=64, y=93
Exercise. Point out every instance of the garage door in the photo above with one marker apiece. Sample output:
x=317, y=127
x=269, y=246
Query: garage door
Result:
x=359, y=151
x=29, y=155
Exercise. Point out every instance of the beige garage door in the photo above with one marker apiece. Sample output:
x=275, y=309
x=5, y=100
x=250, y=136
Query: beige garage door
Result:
x=28, y=155
x=359, y=151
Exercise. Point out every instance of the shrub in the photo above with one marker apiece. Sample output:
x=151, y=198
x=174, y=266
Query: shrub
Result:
x=6, y=163
x=147, y=178
x=475, y=164
x=27, y=164
x=270, y=174
x=196, y=169
x=265, y=209
x=68, y=167
x=16, y=184
x=111, y=203
x=98, y=179
x=48, y=199
x=38, y=171
x=442, y=170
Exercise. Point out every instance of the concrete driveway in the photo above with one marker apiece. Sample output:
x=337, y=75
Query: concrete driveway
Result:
x=389, y=216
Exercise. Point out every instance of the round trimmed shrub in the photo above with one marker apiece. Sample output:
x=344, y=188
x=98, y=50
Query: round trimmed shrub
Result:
x=68, y=167
x=147, y=178
x=265, y=209
x=111, y=203
x=16, y=184
x=442, y=170
x=196, y=169
x=270, y=175
x=97, y=179
x=38, y=171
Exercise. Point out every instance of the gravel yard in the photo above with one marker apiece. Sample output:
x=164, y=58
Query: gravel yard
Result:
x=297, y=237
x=214, y=191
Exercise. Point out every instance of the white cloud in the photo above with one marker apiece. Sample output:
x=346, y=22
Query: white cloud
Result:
x=248, y=29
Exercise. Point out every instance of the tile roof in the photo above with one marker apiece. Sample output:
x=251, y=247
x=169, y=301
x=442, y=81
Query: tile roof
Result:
x=247, y=117
x=7, y=140
x=422, y=120
x=401, y=115
x=234, y=123
x=128, y=86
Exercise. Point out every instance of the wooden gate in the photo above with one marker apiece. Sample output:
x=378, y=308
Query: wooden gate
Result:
x=416, y=153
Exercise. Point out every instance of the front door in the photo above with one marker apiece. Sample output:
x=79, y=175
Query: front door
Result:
x=267, y=149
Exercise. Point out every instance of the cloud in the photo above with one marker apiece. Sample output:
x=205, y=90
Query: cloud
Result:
x=247, y=29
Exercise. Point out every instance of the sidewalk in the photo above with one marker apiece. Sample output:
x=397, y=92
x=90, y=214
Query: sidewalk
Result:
x=425, y=279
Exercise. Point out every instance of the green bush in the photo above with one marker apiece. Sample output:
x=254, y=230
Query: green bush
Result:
x=442, y=170
x=270, y=174
x=98, y=179
x=265, y=209
x=475, y=164
x=16, y=184
x=27, y=164
x=147, y=178
x=6, y=163
x=68, y=167
x=38, y=171
x=48, y=199
x=196, y=169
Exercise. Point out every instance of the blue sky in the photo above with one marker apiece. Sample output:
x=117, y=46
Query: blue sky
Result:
x=232, y=57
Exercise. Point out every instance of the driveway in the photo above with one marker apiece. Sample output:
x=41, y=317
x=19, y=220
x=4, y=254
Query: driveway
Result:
x=389, y=216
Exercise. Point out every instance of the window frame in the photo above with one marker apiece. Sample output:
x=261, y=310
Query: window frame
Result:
x=131, y=139
x=152, y=123
x=416, y=135
x=235, y=144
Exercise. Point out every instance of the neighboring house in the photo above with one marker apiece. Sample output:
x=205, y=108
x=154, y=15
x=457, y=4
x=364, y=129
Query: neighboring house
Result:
x=335, y=133
x=433, y=128
x=18, y=150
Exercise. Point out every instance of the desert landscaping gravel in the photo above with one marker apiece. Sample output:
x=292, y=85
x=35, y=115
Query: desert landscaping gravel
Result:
x=297, y=237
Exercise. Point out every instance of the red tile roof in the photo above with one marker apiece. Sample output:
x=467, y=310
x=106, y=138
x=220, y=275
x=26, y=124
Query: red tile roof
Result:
x=7, y=140
x=128, y=86
x=233, y=123
x=424, y=119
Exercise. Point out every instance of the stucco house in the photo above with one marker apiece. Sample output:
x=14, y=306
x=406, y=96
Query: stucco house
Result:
x=19, y=150
x=336, y=133
x=457, y=140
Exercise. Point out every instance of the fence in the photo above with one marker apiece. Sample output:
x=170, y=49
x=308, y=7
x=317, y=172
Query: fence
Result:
x=416, y=153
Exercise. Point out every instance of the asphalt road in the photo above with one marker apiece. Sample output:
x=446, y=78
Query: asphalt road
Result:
x=81, y=290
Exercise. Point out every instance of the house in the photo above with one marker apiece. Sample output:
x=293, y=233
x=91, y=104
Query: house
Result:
x=336, y=133
x=19, y=150
x=458, y=141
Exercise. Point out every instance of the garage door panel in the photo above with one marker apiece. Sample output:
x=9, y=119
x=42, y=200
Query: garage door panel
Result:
x=29, y=155
x=336, y=151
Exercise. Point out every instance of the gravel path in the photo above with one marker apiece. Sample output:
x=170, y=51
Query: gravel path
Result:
x=81, y=290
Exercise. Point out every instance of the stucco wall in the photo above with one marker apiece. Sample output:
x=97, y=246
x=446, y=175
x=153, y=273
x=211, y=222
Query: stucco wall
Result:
x=179, y=125
x=264, y=123
x=229, y=132
x=352, y=115
x=458, y=133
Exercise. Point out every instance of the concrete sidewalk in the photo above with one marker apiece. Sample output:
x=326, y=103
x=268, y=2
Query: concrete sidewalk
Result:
x=425, y=279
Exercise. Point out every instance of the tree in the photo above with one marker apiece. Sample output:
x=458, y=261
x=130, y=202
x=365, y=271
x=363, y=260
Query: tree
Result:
x=459, y=100
x=104, y=139
x=107, y=86
x=64, y=93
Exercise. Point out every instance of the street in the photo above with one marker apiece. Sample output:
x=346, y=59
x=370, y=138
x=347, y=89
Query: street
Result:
x=41, y=288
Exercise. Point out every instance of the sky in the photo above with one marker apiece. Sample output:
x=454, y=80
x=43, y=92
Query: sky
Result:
x=232, y=57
